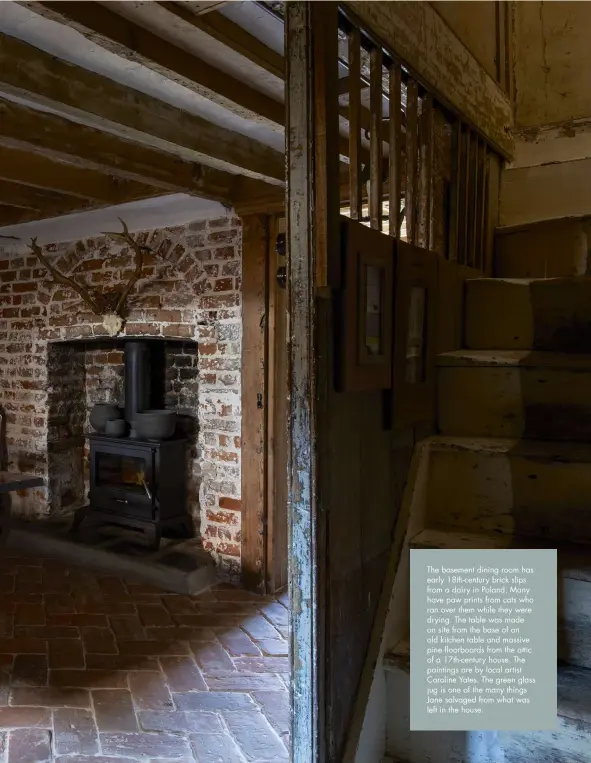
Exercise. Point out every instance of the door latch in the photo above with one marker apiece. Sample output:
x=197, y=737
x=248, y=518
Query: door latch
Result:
x=282, y=277
x=260, y=400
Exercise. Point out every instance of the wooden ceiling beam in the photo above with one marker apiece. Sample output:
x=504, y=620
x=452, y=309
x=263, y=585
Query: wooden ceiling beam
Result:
x=130, y=40
x=50, y=202
x=200, y=8
x=27, y=72
x=233, y=36
x=40, y=172
x=10, y=215
x=59, y=139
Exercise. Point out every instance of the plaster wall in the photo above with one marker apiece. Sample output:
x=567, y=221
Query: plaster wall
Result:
x=549, y=176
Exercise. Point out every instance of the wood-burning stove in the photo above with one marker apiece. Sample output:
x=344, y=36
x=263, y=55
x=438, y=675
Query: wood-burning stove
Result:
x=138, y=483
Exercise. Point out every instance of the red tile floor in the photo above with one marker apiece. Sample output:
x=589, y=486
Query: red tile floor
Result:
x=94, y=669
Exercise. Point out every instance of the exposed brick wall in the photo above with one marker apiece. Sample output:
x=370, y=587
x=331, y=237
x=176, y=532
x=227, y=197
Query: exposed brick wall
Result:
x=191, y=291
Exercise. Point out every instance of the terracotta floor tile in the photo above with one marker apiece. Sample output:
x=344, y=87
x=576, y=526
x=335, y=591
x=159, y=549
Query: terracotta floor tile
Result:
x=97, y=670
x=113, y=710
x=29, y=746
x=75, y=732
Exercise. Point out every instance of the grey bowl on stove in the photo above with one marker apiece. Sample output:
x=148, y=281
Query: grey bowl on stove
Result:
x=155, y=425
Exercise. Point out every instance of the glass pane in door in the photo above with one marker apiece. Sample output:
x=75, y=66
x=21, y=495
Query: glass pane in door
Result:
x=124, y=472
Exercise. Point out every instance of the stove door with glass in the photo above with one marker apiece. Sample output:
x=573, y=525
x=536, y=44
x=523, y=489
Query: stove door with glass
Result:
x=122, y=477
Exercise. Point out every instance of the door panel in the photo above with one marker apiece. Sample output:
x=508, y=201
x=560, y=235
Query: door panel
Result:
x=278, y=396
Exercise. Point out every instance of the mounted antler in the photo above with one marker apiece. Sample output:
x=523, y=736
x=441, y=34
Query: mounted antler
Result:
x=65, y=280
x=139, y=250
x=110, y=304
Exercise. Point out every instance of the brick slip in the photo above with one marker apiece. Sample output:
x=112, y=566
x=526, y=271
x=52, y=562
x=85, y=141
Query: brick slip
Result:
x=180, y=722
x=194, y=294
x=182, y=674
x=49, y=632
x=88, y=679
x=29, y=746
x=23, y=646
x=154, y=614
x=274, y=647
x=78, y=620
x=141, y=648
x=113, y=710
x=120, y=662
x=98, y=641
x=213, y=700
x=212, y=658
x=145, y=745
x=218, y=748
x=149, y=691
x=127, y=627
x=237, y=643
x=275, y=706
x=255, y=735
x=66, y=653
x=258, y=627
x=262, y=664
x=13, y=717
x=182, y=633
x=75, y=732
x=29, y=670
x=51, y=697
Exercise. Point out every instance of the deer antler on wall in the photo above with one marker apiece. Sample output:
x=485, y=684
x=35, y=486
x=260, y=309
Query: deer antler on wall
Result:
x=111, y=305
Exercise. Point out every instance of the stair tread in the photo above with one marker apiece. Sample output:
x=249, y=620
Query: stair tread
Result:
x=573, y=684
x=555, y=450
x=528, y=281
x=574, y=559
x=510, y=358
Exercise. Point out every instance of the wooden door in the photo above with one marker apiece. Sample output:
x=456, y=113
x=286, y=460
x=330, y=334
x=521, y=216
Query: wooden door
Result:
x=415, y=343
x=278, y=402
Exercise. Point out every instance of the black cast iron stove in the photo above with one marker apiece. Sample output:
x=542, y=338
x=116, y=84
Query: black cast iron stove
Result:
x=141, y=484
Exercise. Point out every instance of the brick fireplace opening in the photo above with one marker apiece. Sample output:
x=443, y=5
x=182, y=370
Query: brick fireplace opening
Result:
x=81, y=374
x=57, y=360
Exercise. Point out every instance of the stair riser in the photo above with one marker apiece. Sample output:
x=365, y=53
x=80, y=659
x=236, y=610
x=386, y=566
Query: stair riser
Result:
x=510, y=492
x=542, y=403
x=569, y=744
x=542, y=315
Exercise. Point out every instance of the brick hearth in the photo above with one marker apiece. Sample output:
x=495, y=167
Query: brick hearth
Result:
x=50, y=345
x=96, y=668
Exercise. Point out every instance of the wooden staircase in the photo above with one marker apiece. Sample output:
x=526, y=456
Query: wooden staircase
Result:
x=511, y=468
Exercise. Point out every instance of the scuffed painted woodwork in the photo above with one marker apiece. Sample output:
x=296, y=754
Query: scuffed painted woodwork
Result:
x=254, y=400
x=547, y=192
x=512, y=486
x=515, y=394
x=277, y=416
x=545, y=314
x=565, y=142
x=548, y=249
x=100, y=102
x=306, y=537
x=421, y=38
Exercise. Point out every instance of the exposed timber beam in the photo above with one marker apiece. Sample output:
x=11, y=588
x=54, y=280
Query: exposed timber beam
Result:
x=199, y=9
x=26, y=197
x=41, y=172
x=233, y=36
x=130, y=40
x=57, y=138
x=97, y=101
x=10, y=215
